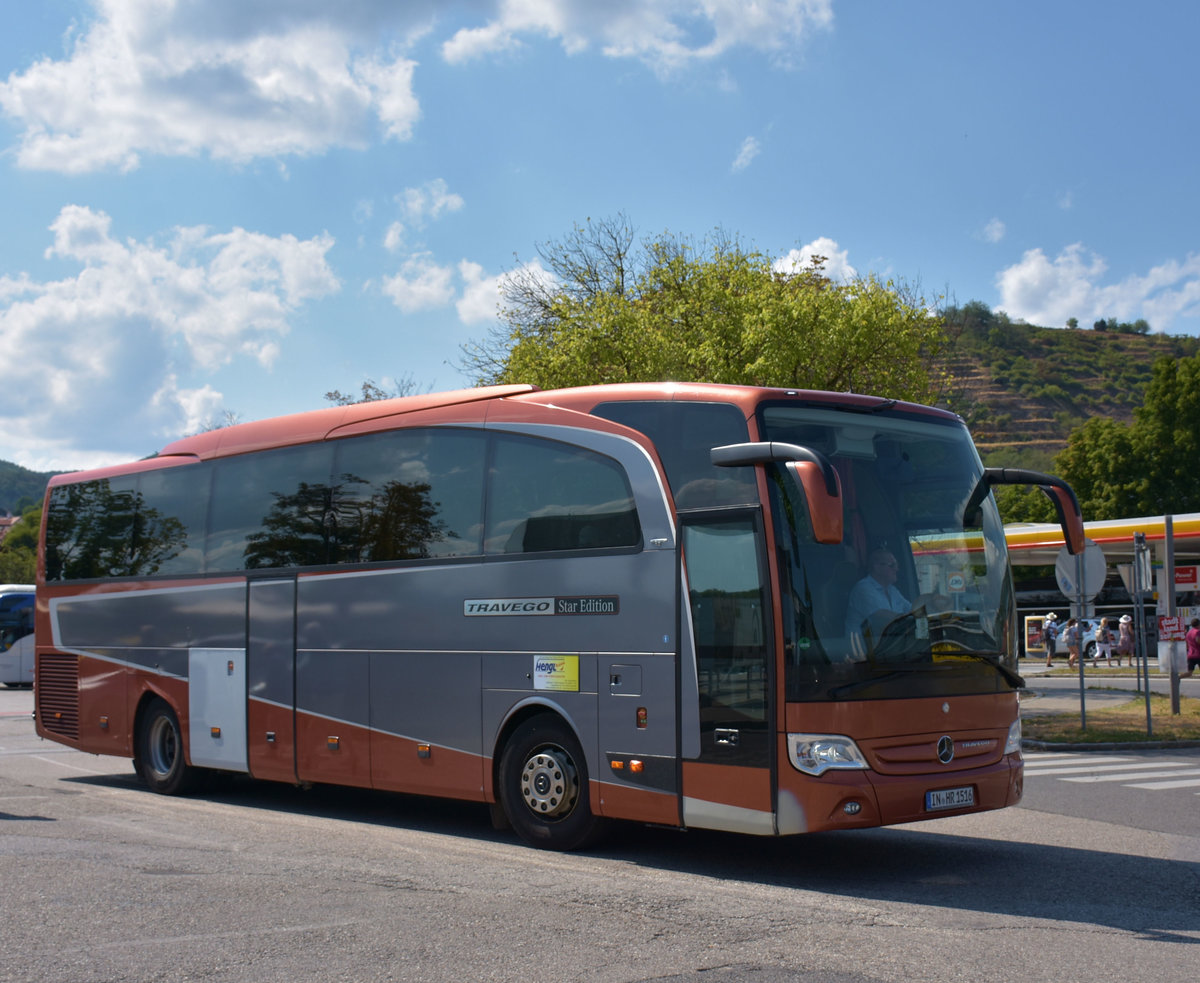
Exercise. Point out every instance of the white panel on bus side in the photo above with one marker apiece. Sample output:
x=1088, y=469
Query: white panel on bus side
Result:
x=217, y=708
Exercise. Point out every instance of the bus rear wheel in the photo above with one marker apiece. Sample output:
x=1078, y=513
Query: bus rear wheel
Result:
x=159, y=761
x=544, y=786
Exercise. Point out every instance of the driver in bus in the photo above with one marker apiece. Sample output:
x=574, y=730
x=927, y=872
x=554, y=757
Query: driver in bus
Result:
x=876, y=600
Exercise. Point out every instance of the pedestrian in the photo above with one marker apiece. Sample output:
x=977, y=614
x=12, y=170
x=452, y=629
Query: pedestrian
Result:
x=1072, y=642
x=1125, y=639
x=1104, y=644
x=1050, y=636
x=1193, y=646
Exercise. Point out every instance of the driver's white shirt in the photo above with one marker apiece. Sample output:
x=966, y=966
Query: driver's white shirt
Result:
x=869, y=596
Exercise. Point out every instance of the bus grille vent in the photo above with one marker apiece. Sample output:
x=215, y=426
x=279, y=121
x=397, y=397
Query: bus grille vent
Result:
x=58, y=694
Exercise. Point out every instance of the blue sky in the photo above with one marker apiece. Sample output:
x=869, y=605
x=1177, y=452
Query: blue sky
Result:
x=214, y=206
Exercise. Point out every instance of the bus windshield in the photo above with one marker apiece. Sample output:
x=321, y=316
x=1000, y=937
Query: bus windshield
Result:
x=917, y=599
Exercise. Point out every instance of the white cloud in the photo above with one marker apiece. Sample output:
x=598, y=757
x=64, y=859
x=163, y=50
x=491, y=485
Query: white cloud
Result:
x=393, y=239
x=994, y=231
x=96, y=346
x=421, y=284
x=481, y=294
x=429, y=201
x=233, y=80
x=1048, y=292
x=749, y=150
x=665, y=34
x=239, y=80
x=836, y=260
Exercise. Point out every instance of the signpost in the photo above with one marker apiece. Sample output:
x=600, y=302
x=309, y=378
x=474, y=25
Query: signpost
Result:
x=1081, y=577
x=1141, y=576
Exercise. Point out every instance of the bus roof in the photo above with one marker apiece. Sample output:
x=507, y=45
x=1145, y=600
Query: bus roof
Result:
x=315, y=425
x=295, y=428
x=746, y=397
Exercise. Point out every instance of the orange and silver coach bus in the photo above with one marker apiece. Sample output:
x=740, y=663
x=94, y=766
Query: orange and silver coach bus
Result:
x=635, y=602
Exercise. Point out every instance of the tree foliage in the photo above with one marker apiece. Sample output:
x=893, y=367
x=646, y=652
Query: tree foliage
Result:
x=599, y=308
x=1147, y=467
x=18, y=550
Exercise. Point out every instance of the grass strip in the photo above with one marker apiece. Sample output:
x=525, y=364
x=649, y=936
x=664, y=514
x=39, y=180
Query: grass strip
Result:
x=1125, y=723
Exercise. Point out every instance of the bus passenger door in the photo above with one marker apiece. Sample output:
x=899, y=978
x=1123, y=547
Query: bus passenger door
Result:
x=729, y=787
x=271, y=679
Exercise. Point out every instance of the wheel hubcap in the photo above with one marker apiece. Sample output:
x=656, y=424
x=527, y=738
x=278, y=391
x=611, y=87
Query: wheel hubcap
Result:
x=163, y=747
x=549, y=782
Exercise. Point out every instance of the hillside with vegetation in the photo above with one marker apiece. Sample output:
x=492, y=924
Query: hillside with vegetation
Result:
x=1023, y=389
x=21, y=488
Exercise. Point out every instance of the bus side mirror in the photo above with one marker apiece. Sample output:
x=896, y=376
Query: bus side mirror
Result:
x=1069, y=516
x=824, y=509
x=1066, y=505
x=815, y=477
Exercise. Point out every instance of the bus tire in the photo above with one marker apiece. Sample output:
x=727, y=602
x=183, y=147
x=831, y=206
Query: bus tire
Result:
x=544, y=786
x=159, y=759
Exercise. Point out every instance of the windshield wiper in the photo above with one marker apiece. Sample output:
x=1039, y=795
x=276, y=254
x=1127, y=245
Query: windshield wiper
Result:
x=1014, y=680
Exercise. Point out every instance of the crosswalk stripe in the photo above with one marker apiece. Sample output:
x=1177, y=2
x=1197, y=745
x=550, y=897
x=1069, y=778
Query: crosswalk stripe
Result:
x=1165, y=785
x=1125, y=776
x=1085, y=769
x=1040, y=766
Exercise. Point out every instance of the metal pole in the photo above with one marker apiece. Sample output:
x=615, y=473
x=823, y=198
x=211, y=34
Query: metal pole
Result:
x=1169, y=586
x=1079, y=637
x=1139, y=618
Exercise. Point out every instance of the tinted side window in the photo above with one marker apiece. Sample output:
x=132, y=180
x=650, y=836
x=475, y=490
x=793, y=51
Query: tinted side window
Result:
x=409, y=494
x=89, y=529
x=684, y=433
x=544, y=495
x=271, y=510
x=170, y=521
x=129, y=526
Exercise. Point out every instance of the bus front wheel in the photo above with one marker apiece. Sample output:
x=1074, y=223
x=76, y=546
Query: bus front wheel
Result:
x=544, y=786
x=159, y=761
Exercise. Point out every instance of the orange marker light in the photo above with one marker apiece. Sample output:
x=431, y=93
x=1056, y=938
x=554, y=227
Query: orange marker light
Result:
x=635, y=765
x=641, y=718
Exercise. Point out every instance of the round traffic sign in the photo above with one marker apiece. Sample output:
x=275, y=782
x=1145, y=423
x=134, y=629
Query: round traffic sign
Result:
x=1084, y=579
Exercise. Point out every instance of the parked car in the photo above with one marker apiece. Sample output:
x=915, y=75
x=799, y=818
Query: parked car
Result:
x=1087, y=640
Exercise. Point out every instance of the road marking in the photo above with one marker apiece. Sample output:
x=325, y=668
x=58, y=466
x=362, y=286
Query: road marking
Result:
x=1153, y=774
x=1083, y=767
x=1192, y=783
x=63, y=764
x=1130, y=777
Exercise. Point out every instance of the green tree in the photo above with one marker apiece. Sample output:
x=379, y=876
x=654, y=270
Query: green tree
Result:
x=597, y=309
x=18, y=551
x=1146, y=467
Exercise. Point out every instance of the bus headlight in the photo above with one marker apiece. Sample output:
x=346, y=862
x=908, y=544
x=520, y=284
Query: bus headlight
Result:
x=1013, y=744
x=814, y=754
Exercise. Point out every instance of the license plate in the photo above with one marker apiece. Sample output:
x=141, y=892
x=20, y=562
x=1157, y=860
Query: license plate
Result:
x=950, y=798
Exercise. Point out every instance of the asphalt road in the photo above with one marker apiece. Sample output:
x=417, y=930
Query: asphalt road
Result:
x=103, y=881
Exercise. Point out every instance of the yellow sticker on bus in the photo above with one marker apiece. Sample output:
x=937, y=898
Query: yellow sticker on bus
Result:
x=556, y=672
